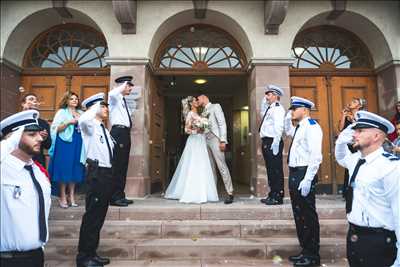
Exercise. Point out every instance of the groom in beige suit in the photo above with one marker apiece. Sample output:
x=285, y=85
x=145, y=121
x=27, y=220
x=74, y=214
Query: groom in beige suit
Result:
x=216, y=143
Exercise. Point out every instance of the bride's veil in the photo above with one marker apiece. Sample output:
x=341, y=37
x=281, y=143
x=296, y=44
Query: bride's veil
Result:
x=186, y=107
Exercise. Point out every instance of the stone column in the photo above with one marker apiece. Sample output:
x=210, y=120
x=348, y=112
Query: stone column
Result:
x=10, y=83
x=138, y=180
x=388, y=83
x=263, y=72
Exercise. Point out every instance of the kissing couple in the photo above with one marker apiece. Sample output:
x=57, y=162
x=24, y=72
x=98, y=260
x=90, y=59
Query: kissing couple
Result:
x=194, y=180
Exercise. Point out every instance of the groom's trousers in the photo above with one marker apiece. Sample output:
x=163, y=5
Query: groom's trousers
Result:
x=217, y=157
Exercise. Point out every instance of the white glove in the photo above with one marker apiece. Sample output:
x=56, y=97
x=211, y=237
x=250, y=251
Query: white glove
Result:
x=304, y=187
x=11, y=142
x=275, y=147
x=288, y=115
x=122, y=87
x=96, y=107
x=346, y=136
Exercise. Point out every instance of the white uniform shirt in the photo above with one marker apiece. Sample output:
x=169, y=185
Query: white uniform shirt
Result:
x=306, y=145
x=376, y=198
x=272, y=126
x=117, y=110
x=94, y=140
x=20, y=205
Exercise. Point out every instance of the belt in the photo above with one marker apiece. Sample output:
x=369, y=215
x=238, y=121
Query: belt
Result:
x=104, y=168
x=369, y=230
x=20, y=254
x=299, y=168
x=120, y=126
x=266, y=138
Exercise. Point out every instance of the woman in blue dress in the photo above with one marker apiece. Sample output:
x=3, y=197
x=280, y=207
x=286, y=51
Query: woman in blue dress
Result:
x=66, y=165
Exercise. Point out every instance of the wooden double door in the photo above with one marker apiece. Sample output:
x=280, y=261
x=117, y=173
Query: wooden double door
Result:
x=331, y=94
x=50, y=89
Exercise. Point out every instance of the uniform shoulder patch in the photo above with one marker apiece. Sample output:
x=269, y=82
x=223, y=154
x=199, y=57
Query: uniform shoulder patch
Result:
x=390, y=156
x=312, y=122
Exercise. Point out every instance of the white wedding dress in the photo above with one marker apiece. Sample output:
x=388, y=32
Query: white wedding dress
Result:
x=193, y=180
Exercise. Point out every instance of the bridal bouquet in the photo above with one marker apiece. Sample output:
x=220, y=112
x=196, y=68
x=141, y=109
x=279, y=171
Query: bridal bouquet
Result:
x=201, y=123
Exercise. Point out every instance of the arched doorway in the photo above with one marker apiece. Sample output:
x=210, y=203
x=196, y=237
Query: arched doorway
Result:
x=193, y=60
x=332, y=67
x=66, y=57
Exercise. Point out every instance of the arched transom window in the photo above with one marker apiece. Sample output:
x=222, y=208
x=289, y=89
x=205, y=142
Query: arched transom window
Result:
x=330, y=47
x=200, y=47
x=68, y=46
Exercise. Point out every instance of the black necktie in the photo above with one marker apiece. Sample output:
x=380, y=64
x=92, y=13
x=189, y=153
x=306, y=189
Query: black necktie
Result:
x=107, y=141
x=129, y=116
x=42, y=216
x=290, y=147
x=262, y=120
x=350, y=189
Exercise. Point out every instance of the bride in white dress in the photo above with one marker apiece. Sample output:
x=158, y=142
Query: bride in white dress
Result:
x=193, y=180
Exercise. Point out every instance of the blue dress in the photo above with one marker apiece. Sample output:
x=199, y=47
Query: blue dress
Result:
x=65, y=165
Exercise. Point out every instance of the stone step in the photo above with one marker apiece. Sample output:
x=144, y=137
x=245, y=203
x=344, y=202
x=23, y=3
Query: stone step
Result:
x=69, y=229
x=241, y=209
x=203, y=248
x=277, y=262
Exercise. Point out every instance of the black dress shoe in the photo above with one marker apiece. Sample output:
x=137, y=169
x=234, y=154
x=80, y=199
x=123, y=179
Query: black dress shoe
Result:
x=264, y=200
x=88, y=262
x=127, y=201
x=295, y=258
x=307, y=262
x=228, y=199
x=101, y=260
x=119, y=203
x=274, y=201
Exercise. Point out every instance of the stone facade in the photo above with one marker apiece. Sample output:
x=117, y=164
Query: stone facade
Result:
x=134, y=36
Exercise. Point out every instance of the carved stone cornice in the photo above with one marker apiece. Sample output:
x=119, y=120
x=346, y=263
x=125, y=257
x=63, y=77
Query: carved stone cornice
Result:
x=125, y=61
x=272, y=61
x=200, y=8
x=274, y=15
x=338, y=7
x=61, y=7
x=9, y=64
x=126, y=13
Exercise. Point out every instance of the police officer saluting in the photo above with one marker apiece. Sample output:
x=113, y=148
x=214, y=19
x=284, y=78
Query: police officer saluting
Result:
x=271, y=130
x=373, y=195
x=304, y=158
x=25, y=193
x=121, y=122
x=99, y=152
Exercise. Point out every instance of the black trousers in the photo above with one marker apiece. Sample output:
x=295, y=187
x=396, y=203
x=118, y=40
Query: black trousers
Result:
x=274, y=166
x=121, y=160
x=32, y=258
x=370, y=247
x=98, y=196
x=305, y=213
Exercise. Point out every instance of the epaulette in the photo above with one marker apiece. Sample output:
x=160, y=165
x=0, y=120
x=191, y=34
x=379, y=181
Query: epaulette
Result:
x=277, y=104
x=312, y=122
x=390, y=156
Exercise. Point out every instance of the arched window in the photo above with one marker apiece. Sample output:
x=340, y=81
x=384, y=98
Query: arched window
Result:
x=200, y=47
x=330, y=47
x=68, y=46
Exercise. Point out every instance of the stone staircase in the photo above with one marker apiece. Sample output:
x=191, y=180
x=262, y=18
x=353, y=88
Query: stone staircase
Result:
x=158, y=232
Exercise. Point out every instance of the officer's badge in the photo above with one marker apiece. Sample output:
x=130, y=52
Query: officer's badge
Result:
x=17, y=192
